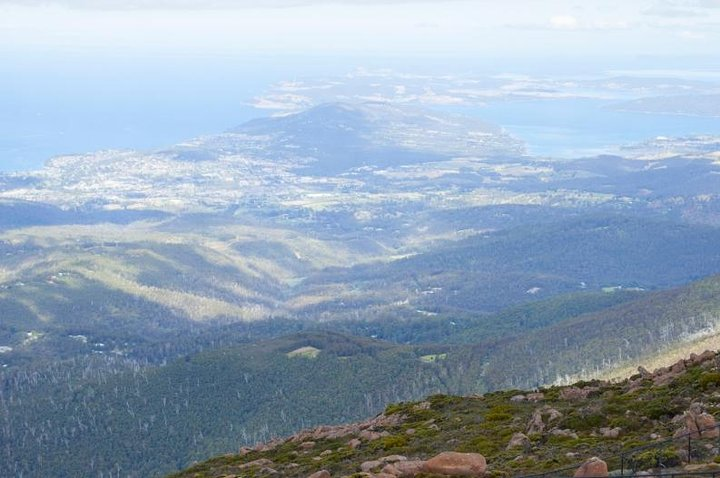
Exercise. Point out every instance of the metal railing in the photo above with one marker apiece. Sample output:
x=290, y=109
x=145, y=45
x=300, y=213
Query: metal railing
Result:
x=627, y=460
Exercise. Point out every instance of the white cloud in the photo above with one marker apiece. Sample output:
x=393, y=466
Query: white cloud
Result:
x=374, y=28
x=691, y=35
x=564, y=22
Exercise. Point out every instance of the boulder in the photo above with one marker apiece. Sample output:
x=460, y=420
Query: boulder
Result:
x=404, y=469
x=698, y=423
x=644, y=373
x=519, y=440
x=678, y=367
x=552, y=414
x=369, y=435
x=392, y=458
x=367, y=466
x=610, y=432
x=354, y=443
x=456, y=464
x=260, y=463
x=320, y=474
x=567, y=433
x=536, y=423
x=575, y=393
x=540, y=417
x=594, y=467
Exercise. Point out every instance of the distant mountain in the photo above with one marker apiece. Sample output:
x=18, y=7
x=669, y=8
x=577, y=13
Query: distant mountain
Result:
x=491, y=271
x=342, y=136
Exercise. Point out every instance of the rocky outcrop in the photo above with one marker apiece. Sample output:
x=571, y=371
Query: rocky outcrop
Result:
x=530, y=397
x=369, y=430
x=575, y=393
x=698, y=423
x=666, y=375
x=456, y=464
x=541, y=418
x=594, y=467
x=260, y=463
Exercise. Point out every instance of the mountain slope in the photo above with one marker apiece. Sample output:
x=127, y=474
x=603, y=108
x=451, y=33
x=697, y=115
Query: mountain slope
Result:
x=560, y=426
x=151, y=420
x=341, y=136
x=488, y=272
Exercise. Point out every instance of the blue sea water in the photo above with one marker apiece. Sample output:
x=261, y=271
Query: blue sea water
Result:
x=52, y=106
x=576, y=127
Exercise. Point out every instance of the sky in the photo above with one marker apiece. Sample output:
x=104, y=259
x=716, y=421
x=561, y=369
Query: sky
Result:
x=81, y=75
x=517, y=28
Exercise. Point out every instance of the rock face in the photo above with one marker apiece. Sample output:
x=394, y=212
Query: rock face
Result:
x=698, y=423
x=594, y=467
x=456, y=464
x=540, y=418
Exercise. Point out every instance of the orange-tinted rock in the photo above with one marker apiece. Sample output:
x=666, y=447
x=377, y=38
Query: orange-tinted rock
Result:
x=320, y=474
x=594, y=467
x=699, y=423
x=367, y=466
x=404, y=469
x=456, y=464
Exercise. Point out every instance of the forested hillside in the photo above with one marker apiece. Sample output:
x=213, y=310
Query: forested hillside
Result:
x=241, y=390
x=655, y=423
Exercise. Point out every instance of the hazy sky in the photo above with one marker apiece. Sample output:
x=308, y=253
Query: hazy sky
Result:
x=477, y=27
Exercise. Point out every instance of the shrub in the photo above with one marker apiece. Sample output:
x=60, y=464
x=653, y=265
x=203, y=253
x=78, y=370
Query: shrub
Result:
x=665, y=457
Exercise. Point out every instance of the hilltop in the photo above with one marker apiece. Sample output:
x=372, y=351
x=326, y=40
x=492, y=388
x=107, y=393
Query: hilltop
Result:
x=642, y=421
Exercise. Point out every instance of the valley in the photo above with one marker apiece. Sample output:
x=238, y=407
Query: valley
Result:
x=311, y=269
